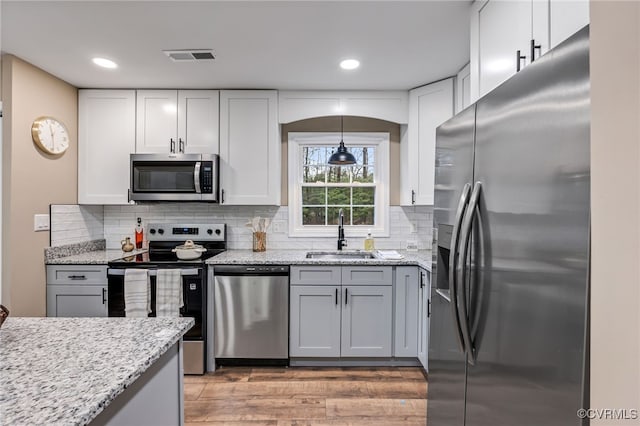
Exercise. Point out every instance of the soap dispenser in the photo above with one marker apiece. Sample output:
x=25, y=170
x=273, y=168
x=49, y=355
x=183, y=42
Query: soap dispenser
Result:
x=368, y=242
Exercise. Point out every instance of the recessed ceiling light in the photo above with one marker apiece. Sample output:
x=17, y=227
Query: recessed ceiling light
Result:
x=349, y=64
x=104, y=63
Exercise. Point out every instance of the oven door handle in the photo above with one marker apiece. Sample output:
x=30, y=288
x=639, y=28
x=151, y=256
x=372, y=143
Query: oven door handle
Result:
x=153, y=272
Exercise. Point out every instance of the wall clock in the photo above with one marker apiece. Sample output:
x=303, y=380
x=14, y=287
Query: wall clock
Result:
x=50, y=135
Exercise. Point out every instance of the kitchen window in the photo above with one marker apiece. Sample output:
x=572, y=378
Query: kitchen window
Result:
x=317, y=191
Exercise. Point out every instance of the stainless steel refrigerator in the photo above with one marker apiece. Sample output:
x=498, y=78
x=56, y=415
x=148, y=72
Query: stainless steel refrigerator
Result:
x=508, y=339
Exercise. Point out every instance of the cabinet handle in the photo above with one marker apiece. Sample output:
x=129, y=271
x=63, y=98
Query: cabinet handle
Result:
x=535, y=47
x=222, y=196
x=413, y=196
x=429, y=308
x=519, y=58
x=77, y=277
x=181, y=146
x=346, y=296
x=422, y=280
x=172, y=146
x=336, y=295
x=104, y=296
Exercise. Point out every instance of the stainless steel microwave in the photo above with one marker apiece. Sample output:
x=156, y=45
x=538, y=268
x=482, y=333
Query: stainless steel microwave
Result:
x=174, y=177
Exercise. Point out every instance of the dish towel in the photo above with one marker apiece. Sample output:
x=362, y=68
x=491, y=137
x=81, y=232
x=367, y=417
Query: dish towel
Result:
x=137, y=293
x=169, y=293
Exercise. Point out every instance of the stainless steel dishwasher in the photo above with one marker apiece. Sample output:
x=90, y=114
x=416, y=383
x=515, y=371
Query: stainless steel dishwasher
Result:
x=251, y=314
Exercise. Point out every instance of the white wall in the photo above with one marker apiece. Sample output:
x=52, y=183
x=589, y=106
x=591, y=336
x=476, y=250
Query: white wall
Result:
x=615, y=208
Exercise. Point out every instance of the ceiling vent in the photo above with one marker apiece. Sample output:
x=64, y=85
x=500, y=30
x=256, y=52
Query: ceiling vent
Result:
x=190, y=55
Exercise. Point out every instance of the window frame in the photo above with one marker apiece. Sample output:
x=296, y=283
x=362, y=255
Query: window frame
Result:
x=297, y=140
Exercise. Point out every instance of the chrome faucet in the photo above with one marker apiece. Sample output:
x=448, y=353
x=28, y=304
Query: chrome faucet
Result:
x=341, y=240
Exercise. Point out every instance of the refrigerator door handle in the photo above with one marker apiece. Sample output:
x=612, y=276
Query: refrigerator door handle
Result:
x=461, y=270
x=453, y=255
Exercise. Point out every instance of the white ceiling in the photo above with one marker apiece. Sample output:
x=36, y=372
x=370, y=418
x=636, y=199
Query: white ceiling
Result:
x=258, y=44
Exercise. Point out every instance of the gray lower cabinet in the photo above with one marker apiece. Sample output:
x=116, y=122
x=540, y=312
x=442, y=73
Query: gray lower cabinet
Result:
x=338, y=318
x=366, y=321
x=77, y=291
x=424, y=314
x=407, y=317
x=315, y=321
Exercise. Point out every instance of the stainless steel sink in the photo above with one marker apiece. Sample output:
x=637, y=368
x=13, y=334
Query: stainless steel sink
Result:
x=337, y=255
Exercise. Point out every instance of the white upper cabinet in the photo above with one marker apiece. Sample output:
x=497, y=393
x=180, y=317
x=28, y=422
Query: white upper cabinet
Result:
x=106, y=137
x=177, y=121
x=566, y=17
x=383, y=105
x=249, y=147
x=506, y=36
x=429, y=107
x=463, y=88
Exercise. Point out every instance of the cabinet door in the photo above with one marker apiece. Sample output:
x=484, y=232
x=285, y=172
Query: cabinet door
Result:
x=504, y=27
x=106, y=137
x=156, y=121
x=463, y=88
x=198, y=121
x=76, y=301
x=366, y=321
x=424, y=314
x=429, y=107
x=315, y=321
x=407, y=302
x=249, y=147
x=566, y=17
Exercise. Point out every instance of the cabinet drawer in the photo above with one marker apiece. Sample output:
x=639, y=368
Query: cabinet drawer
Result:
x=367, y=275
x=315, y=275
x=77, y=274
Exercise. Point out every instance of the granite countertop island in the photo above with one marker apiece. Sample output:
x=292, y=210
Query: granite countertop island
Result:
x=420, y=258
x=58, y=371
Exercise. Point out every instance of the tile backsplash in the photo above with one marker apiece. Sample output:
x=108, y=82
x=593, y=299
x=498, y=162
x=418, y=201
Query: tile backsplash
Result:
x=72, y=224
x=120, y=221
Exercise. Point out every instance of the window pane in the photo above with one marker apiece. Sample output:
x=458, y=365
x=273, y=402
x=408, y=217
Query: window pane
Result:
x=364, y=196
x=364, y=154
x=314, y=155
x=313, y=216
x=332, y=215
x=363, y=174
x=363, y=216
x=339, y=174
x=312, y=196
x=338, y=196
x=313, y=174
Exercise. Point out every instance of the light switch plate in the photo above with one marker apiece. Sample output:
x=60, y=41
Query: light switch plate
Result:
x=40, y=222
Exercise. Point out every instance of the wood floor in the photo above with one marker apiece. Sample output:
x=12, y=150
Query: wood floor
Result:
x=306, y=396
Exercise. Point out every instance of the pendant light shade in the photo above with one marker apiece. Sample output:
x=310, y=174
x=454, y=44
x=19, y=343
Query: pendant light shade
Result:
x=342, y=157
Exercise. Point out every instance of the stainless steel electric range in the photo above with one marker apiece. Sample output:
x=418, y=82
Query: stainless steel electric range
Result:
x=163, y=238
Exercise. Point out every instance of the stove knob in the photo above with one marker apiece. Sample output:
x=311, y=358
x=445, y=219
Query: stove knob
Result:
x=160, y=231
x=209, y=231
x=218, y=232
x=152, y=231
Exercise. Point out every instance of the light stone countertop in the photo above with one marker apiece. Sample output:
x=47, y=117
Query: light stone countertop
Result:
x=96, y=257
x=420, y=258
x=65, y=371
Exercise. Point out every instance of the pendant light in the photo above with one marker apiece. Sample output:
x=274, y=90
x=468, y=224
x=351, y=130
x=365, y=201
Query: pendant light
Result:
x=342, y=157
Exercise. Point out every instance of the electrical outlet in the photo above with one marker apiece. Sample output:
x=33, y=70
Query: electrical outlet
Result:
x=414, y=227
x=277, y=227
x=40, y=222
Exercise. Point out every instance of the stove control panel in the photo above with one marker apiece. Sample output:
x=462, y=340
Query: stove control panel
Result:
x=177, y=232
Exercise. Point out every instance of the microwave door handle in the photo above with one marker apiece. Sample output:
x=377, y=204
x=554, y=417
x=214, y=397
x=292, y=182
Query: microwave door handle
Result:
x=196, y=177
